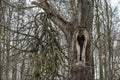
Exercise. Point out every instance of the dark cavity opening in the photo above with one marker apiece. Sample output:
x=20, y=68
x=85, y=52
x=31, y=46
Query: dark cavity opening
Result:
x=81, y=39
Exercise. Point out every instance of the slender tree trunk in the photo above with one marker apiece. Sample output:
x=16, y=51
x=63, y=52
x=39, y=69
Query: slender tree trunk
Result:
x=22, y=69
x=14, y=72
x=0, y=63
x=99, y=46
x=0, y=43
x=7, y=55
x=109, y=41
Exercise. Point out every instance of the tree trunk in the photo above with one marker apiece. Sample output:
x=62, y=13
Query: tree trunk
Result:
x=0, y=63
x=79, y=72
x=83, y=18
x=0, y=43
x=86, y=73
x=14, y=72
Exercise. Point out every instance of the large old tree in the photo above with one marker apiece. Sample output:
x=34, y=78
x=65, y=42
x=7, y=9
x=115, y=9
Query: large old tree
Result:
x=82, y=16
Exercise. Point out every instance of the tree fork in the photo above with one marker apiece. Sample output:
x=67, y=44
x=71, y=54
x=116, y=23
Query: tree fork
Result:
x=78, y=72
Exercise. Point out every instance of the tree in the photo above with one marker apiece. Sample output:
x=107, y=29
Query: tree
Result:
x=105, y=34
x=0, y=44
x=82, y=16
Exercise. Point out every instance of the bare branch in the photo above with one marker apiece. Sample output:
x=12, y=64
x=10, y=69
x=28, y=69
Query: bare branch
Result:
x=53, y=14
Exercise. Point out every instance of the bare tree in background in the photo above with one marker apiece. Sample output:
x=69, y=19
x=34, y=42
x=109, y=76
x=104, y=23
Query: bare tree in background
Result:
x=0, y=43
x=105, y=39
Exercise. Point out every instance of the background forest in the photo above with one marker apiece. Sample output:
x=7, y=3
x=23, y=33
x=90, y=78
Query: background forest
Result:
x=32, y=47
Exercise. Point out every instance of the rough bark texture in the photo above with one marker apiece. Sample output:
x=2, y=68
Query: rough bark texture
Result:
x=0, y=53
x=83, y=18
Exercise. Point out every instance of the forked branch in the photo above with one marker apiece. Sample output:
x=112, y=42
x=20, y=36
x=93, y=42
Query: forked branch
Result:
x=53, y=14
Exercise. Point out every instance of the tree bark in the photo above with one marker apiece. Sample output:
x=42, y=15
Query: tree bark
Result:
x=0, y=43
x=83, y=18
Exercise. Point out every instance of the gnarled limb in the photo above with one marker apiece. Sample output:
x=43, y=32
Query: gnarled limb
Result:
x=53, y=14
